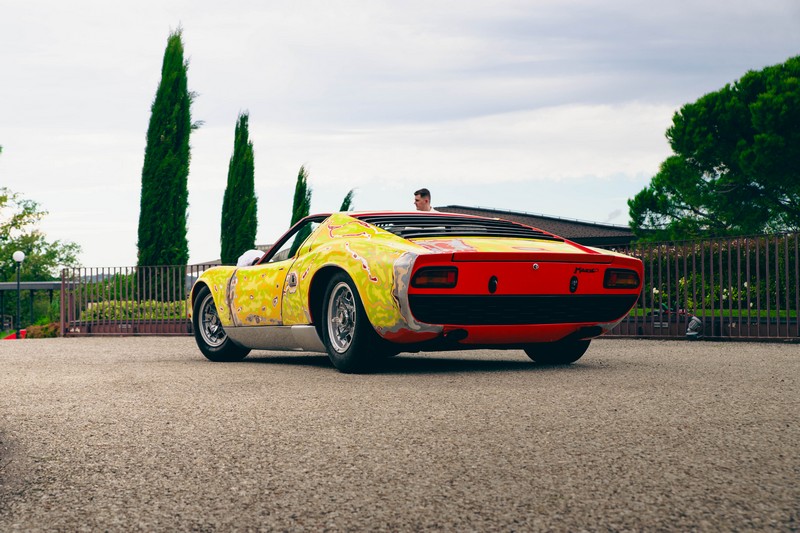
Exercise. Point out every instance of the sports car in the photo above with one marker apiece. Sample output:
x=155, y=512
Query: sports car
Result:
x=369, y=285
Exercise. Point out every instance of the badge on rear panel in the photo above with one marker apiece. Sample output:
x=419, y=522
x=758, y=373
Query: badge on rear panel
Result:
x=573, y=284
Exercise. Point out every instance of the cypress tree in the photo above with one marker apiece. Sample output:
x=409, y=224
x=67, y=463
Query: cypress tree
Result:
x=165, y=195
x=347, y=203
x=239, y=206
x=301, y=207
x=302, y=197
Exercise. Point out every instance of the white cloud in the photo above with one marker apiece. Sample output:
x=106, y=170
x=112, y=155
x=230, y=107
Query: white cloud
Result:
x=550, y=106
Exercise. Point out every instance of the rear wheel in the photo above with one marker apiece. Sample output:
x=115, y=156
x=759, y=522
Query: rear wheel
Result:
x=209, y=333
x=557, y=353
x=347, y=333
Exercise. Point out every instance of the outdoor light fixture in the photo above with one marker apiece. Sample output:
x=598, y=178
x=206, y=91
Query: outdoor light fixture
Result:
x=19, y=257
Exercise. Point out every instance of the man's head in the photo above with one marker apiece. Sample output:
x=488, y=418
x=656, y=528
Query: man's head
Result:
x=422, y=199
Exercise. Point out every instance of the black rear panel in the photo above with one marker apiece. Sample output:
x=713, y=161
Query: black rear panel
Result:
x=518, y=310
x=411, y=226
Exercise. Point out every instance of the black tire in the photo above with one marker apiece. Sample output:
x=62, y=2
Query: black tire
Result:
x=352, y=343
x=209, y=333
x=557, y=353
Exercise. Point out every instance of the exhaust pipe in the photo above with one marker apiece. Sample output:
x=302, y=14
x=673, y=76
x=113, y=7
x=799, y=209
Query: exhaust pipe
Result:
x=456, y=335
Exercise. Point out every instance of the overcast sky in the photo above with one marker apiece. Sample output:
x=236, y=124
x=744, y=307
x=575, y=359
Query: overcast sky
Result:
x=554, y=107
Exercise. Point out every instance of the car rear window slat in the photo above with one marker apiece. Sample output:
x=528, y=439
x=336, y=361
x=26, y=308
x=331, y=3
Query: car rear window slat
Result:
x=410, y=226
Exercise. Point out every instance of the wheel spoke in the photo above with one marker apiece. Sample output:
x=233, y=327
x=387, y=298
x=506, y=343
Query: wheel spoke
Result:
x=211, y=328
x=341, y=317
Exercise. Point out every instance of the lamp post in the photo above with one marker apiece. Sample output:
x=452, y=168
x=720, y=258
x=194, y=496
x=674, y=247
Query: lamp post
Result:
x=19, y=257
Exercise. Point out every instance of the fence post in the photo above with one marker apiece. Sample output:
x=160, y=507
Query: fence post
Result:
x=62, y=326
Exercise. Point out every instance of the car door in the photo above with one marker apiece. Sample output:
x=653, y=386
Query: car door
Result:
x=258, y=291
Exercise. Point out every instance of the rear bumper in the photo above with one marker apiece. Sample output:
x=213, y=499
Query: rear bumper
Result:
x=460, y=337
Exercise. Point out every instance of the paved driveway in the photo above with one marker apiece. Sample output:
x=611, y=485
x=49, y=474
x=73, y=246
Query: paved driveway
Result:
x=144, y=434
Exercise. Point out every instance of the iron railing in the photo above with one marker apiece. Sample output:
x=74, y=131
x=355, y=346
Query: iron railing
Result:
x=31, y=309
x=127, y=300
x=741, y=288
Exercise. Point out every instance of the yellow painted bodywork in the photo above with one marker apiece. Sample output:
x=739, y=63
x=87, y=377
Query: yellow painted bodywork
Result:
x=277, y=293
x=378, y=262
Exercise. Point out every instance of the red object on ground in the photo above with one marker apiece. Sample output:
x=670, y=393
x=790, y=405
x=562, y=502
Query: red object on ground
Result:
x=13, y=336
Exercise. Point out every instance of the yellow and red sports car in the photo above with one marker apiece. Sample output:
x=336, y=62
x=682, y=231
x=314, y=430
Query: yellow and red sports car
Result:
x=363, y=286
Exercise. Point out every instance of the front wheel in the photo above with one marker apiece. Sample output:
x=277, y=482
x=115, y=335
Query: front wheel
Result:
x=209, y=333
x=347, y=333
x=557, y=353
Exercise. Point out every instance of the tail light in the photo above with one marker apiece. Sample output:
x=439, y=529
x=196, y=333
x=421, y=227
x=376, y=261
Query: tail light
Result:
x=616, y=278
x=435, y=278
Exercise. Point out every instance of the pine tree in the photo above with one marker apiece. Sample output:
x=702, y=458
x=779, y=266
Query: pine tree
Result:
x=165, y=195
x=301, y=207
x=239, y=206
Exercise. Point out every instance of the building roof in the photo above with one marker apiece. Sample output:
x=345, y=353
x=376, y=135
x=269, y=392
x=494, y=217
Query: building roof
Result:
x=580, y=231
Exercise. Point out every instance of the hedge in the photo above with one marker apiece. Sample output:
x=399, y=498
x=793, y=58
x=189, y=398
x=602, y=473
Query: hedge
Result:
x=135, y=310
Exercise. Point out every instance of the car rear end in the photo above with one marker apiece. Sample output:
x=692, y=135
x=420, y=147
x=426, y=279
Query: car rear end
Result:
x=524, y=297
x=489, y=282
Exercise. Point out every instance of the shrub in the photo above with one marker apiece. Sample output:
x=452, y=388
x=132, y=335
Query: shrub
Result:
x=45, y=331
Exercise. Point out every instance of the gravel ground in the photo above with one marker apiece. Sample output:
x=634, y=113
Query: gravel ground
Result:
x=144, y=434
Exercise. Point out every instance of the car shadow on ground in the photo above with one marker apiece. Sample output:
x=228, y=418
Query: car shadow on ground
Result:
x=414, y=364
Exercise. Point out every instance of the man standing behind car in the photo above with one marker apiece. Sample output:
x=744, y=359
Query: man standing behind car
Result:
x=422, y=200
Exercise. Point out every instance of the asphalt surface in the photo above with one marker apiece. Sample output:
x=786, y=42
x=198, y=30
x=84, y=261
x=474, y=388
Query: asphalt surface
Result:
x=144, y=434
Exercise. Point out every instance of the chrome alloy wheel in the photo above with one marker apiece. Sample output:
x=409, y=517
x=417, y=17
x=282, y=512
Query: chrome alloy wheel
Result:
x=210, y=327
x=341, y=319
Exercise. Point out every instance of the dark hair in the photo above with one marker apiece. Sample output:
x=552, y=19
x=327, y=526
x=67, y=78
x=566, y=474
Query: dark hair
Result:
x=425, y=193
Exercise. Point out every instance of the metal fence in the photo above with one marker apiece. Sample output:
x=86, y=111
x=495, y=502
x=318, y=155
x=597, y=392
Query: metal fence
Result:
x=743, y=288
x=127, y=300
x=31, y=295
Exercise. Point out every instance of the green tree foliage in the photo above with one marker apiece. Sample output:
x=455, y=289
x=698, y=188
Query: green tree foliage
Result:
x=347, y=203
x=301, y=207
x=18, y=220
x=165, y=194
x=239, y=206
x=736, y=163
